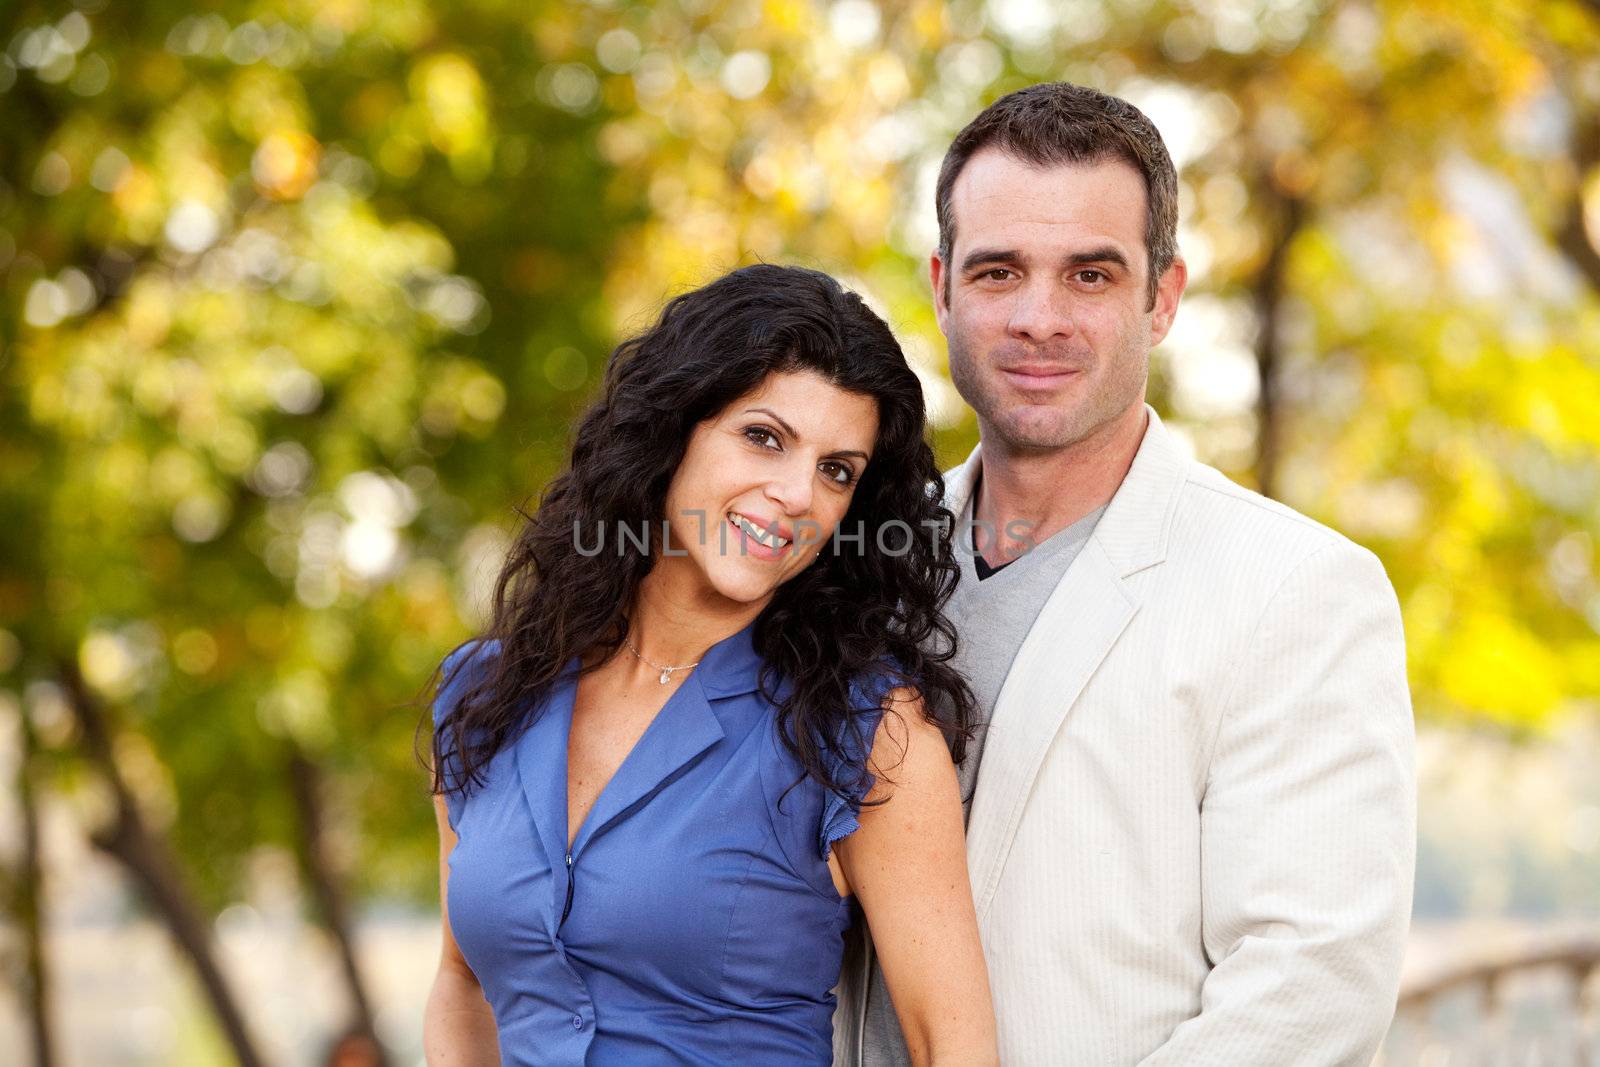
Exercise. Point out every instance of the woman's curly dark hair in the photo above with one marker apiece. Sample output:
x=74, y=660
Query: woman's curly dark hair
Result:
x=858, y=611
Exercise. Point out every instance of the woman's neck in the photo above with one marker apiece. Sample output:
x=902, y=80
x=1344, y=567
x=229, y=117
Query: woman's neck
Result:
x=673, y=624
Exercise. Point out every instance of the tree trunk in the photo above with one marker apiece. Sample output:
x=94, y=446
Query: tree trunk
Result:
x=1573, y=236
x=29, y=904
x=1287, y=217
x=306, y=780
x=155, y=869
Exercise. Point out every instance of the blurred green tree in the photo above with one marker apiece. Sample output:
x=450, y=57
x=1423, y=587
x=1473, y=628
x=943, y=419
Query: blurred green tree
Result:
x=299, y=299
x=265, y=271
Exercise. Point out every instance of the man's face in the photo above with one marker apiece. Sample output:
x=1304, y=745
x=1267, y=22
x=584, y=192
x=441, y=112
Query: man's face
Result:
x=1047, y=316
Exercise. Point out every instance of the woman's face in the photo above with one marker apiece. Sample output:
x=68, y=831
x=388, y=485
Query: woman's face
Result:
x=764, y=483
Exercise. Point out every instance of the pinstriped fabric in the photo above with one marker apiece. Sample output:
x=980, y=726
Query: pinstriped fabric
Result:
x=1193, y=832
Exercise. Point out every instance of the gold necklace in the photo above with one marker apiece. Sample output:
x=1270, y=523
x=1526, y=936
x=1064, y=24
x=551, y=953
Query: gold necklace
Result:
x=666, y=672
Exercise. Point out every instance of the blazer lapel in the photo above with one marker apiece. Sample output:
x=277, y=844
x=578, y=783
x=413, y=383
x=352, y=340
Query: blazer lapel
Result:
x=1075, y=631
x=958, y=482
x=1077, y=627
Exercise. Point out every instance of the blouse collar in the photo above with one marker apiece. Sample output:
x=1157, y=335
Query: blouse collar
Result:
x=731, y=666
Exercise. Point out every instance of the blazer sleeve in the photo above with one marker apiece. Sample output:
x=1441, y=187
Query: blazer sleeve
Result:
x=1308, y=829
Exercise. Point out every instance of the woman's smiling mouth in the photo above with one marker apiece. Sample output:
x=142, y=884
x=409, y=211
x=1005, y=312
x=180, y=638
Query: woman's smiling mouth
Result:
x=762, y=543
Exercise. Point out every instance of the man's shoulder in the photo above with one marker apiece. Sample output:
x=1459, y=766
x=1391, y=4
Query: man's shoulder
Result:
x=1216, y=517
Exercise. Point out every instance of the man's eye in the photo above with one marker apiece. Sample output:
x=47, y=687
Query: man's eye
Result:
x=1091, y=277
x=760, y=435
x=997, y=274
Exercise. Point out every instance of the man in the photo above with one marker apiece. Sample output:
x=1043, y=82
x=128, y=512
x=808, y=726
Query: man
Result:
x=1192, y=831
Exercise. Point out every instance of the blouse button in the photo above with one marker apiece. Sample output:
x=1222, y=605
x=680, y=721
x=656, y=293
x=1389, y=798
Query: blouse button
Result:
x=577, y=1022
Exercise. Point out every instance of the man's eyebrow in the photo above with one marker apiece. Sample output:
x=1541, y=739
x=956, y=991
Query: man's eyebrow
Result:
x=1103, y=254
x=979, y=256
x=793, y=433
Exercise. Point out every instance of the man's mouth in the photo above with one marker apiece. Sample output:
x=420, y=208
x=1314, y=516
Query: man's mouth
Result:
x=1045, y=373
x=1039, y=379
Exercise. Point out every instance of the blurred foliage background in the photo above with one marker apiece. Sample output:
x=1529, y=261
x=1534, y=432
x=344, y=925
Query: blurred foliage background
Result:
x=298, y=300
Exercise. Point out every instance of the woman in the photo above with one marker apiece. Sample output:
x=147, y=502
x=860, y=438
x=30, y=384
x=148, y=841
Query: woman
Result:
x=698, y=724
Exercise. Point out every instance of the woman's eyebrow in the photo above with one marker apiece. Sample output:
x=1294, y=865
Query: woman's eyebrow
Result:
x=794, y=434
x=775, y=417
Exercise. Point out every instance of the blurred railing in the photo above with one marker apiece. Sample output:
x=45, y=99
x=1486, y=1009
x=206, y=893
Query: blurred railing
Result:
x=1532, y=1005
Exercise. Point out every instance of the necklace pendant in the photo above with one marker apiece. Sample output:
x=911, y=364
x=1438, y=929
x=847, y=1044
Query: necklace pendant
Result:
x=666, y=675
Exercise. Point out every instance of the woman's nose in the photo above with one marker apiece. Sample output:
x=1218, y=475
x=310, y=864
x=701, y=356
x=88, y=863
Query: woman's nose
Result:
x=792, y=489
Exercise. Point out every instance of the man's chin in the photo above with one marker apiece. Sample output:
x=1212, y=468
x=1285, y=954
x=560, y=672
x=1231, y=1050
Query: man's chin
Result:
x=1036, y=430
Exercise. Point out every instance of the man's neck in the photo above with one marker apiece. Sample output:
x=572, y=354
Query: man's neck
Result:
x=1050, y=491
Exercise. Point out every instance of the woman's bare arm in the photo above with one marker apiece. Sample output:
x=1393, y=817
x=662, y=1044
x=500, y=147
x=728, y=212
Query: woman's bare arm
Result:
x=458, y=1026
x=907, y=865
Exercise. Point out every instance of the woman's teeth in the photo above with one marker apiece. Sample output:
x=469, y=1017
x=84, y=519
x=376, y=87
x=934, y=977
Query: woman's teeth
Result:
x=771, y=540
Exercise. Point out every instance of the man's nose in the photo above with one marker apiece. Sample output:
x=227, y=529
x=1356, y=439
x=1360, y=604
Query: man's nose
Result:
x=1040, y=312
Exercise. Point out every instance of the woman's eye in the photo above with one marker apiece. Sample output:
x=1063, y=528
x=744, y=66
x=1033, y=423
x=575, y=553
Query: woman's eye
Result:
x=760, y=435
x=839, y=472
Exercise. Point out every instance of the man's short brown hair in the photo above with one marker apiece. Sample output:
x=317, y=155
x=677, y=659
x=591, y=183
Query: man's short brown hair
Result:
x=1058, y=122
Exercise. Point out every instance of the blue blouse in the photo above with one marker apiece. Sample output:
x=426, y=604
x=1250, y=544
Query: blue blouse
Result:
x=694, y=919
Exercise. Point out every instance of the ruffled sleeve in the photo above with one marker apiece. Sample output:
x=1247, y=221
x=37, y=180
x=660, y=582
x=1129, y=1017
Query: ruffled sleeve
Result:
x=456, y=676
x=841, y=813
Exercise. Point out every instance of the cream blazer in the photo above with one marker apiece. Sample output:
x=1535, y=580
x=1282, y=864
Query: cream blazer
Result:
x=1193, y=834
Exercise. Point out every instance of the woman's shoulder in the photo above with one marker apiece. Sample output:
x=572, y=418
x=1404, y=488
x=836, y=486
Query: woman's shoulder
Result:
x=810, y=815
x=463, y=666
x=847, y=737
x=873, y=685
x=470, y=654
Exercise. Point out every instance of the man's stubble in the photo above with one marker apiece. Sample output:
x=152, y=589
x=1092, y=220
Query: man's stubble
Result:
x=1111, y=389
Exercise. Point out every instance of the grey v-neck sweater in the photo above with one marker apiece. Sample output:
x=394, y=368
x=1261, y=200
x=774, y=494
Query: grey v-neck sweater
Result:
x=992, y=616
